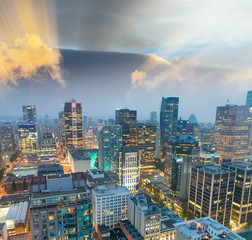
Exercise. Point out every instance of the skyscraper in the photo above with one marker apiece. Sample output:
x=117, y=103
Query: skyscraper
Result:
x=142, y=137
x=168, y=118
x=110, y=142
x=30, y=114
x=249, y=99
x=125, y=118
x=153, y=117
x=73, y=125
x=129, y=169
x=242, y=209
x=211, y=192
x=182, y=152
x=28, y=139
x=232, y=131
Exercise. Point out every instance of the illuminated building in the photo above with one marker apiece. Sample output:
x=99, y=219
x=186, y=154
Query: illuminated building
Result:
x=203, y=228
x=129, y=169
x=73, y=125
x=79, y=159
x=182, y=152
x=211, y=192
x=125, y=118
x=242, y=203
x=143, y=139
x=28, y=139
x=232, y=132
x=93, y=154
x=59, y=209
x=168, y=118
x=249, y=99
x=6, y=137
x=184, y=127
x=209, y=157
x=30, y=114
x=145, y=217
x=207, y=136
x=110, y=142
x=89, y=140
x=48, y=145
x=109, y=206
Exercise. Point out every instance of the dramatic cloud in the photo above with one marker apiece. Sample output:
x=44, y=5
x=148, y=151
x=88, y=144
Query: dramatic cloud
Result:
x=29, y=58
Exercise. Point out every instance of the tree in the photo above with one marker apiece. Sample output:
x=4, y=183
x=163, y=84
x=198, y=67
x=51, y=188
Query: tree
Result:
x=2, y=172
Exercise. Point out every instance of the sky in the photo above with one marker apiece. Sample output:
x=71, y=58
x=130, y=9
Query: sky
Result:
x=109, y=54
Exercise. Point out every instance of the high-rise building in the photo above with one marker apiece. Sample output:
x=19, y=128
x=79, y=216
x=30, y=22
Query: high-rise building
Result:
x=73, y=125
x=129, y=169
x=110, y=206
x=249, y=99
x=6, y=137
x=48, y=145
x=209, y=157
x=61, y=126
x=242, y=203
x=59, y=209
x=232, y=132
x=182, y=152
x=28, y=139
x=143, y=139
x=125, y=118
x=110, y=142
x=168, y=118
x=203, y=228
x=211, y=192
x=153, y=117
x=29, y=114
x=145, y=217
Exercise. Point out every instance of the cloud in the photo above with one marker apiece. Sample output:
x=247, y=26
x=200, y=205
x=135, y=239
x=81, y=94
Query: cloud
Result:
x=191, y=72
x=29, y=58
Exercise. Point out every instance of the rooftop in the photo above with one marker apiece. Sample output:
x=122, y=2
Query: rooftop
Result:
x=102, y=190
x=131, y=230
x=213, y=169
x=206, y=227
x=246, y=234
x=184, y=139
x=79, y=154
x=168, y=219
x=239, y=165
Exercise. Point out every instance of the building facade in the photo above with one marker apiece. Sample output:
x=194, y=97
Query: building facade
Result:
x=110, y=142
x=73, y=125
x=242, y=204
x=249, y=99
x=110, y=206
x=232, y=132
x=211, y=192
x=129, y=169
x=29, y=114
x=168, y=118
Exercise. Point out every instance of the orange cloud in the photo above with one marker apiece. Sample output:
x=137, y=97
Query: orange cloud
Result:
x=28, y=58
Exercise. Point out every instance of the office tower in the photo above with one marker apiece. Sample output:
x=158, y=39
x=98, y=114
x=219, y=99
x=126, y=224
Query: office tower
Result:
x=193, y=120
x=109, y=206
x=153, y=117
x=48, y=145
x=249, y=99
x=211, y=192
x=203, y=228
x=73, y=125
x=59, y=209
x=242, y=210
x=182, y=152
x=28, y=139
x=90, y=140
x=232, y=132
x=184, y=127
x=129, y=169
x=143, y=138
x=145, y=217
x=207, y=137
x=125, y=118
x=168, y=118
x=6, y=137
x=29, y=114
x=209, y=157
x=110, y=142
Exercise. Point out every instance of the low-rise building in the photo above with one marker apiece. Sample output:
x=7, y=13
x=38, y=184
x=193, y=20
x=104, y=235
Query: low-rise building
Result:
x=203, y=228
x=109, y=206
x=79, y=159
